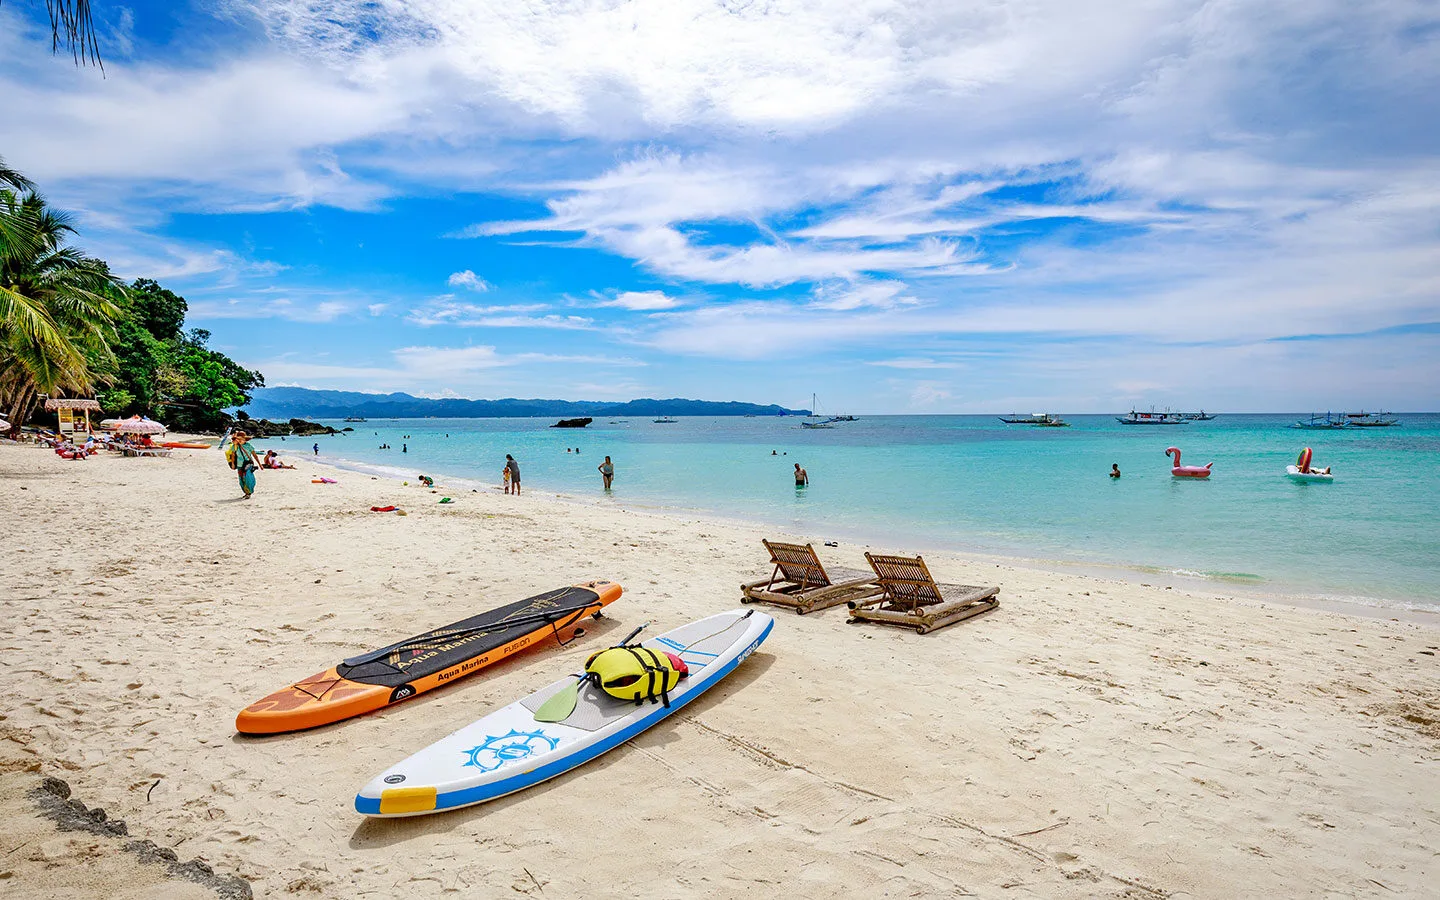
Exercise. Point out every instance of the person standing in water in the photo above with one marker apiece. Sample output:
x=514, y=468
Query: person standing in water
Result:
x=316, y=448
x=801, y=477
x=245, y=462
x=513, y=468
x=607, y=472
x=1114, y=470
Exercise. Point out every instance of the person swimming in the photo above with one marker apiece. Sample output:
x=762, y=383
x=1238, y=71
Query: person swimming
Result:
x=1114, y=470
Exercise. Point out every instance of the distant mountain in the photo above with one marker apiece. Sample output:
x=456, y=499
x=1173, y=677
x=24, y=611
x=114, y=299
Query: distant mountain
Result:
x=292, y=402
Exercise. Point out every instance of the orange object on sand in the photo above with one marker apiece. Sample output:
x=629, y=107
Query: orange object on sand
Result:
x=413, y=666
x=184, y=445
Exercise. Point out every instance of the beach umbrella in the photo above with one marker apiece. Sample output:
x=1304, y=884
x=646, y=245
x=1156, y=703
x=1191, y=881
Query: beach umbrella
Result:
x=110, y=424
x=4, y=425
x=139, y=425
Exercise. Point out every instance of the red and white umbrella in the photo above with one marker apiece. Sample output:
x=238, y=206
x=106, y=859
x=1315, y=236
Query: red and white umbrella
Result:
x=139, y=425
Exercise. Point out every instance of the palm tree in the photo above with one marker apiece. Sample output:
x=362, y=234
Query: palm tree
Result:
x=57, y=307
x=71, y=22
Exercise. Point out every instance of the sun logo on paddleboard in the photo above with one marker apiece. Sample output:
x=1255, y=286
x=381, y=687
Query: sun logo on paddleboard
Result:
x=505, y=748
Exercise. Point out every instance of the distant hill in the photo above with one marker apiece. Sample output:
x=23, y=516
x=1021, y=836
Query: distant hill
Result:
x=292, y=402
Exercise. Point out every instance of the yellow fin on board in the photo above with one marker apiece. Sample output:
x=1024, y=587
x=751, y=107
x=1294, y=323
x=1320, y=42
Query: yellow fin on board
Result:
x=404, y=800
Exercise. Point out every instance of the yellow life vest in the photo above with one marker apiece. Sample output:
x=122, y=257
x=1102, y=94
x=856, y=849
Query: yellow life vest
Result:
x=636, y=673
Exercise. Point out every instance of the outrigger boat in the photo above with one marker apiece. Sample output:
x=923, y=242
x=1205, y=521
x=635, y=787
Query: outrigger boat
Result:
x=1328, y=421
x=1371, y=420
x=1152, y=418
x=1044, y=420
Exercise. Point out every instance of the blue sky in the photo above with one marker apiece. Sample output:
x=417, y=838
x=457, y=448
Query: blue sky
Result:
x=901, y=206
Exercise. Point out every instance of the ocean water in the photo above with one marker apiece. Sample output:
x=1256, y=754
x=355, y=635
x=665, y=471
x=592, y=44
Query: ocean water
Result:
x=972, y=483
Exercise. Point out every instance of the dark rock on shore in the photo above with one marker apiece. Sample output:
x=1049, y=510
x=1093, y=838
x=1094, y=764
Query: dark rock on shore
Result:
x=573, y=423
x=263, y=428
x=53, y=798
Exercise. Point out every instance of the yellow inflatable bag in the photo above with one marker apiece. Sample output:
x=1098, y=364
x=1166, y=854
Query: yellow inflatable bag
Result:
x=636, y=673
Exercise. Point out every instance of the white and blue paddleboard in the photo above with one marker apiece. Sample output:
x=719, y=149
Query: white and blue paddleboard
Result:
x=508, y=750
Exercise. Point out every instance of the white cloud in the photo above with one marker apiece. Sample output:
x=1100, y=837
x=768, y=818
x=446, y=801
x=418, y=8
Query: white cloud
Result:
x=376, y=309
x=644, y=301
x=443, y=371
x=276, y=308
x=447, y=311
x=468, y=280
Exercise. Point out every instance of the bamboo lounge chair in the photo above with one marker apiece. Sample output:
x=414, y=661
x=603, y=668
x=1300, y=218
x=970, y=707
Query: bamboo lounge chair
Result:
x=909, y=596
x=801, y=582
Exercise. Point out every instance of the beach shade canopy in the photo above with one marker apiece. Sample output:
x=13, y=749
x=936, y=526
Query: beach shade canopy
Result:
x=4, y=425
x=139, y=425
x=55, y=403
x=110, y=424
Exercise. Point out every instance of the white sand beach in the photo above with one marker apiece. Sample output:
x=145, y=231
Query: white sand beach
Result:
x=1092, y=737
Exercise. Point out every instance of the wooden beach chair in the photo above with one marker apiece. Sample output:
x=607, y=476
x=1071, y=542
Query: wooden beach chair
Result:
x=801, y=582
x=909, y=596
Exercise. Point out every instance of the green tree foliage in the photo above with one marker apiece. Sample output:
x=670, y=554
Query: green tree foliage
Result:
x=57, y=305
x=68, y=327
x=198, y=383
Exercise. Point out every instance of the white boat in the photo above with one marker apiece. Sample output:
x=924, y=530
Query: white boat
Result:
x=1152, y=418
x=666, y=420
x=511, y=749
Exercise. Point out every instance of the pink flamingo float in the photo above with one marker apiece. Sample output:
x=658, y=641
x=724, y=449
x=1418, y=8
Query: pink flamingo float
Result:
x=1180, y=471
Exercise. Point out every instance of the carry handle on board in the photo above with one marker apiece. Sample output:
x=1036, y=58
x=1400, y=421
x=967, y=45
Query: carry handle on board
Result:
x=562, y=703
x=553, y=615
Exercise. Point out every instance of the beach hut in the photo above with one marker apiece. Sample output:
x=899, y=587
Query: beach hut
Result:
x=65, y=409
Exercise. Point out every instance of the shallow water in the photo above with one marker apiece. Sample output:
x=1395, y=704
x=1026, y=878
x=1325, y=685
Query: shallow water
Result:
x=973, y=483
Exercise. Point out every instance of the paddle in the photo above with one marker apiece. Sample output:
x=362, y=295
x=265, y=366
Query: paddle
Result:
x=562, y=703
x=552, y=615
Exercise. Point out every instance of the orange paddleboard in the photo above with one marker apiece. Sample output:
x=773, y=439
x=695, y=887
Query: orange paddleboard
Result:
x=376, y=679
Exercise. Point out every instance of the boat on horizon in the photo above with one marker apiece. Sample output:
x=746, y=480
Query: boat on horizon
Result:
x=816, y=425
x=1044, y=420
x=666, y=420
x=1201, y=416
x=1318, y=422
x=1371, y=420
x=1152, y=418
x=355, y=419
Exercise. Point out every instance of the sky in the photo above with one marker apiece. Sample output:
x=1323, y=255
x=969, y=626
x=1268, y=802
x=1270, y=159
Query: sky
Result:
x=904, y=207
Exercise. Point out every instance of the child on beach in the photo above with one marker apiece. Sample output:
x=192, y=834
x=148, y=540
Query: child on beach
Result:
x=505, y=478
x=513, y=468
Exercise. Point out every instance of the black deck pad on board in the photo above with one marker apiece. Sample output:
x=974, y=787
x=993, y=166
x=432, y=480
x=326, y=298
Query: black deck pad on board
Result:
x=434, y=651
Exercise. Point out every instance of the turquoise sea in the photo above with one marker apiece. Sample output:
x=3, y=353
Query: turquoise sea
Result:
x=972, y=483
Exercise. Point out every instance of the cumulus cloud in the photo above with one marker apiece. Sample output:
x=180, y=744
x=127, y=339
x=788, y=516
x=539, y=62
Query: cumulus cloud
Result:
x=468, y=280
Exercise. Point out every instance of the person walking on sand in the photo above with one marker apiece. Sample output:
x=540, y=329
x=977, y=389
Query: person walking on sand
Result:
x=244, y=462
x=513, y=468
x=801, y=478
x=607, y=472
